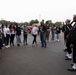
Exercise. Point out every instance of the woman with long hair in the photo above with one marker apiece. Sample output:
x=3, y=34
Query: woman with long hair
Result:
x=12, y=34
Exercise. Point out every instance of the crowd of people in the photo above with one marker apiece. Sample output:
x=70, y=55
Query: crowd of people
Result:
x=69, y=30
x=9, y=32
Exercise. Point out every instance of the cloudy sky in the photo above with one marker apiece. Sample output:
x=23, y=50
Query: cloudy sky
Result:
x=25, y=10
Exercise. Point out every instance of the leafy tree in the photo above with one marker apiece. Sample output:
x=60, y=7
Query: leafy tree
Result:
x=3, y=21
x=36, y=21
x=58, y=23
x=26, y=23
x=33, y=22
x=49, y=22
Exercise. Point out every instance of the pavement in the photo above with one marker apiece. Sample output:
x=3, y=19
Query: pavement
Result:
x=28, y=60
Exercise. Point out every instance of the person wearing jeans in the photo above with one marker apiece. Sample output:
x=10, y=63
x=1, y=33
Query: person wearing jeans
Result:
x=57, y=36
x=43, y=39
x=58, y=29
x=42, y=30
x=52, y=33
x=53, y=36
x=25, y=35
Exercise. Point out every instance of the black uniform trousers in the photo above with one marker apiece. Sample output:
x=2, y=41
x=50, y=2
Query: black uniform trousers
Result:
x=8, y=38
x=65, y=40
x=34, y=40
x=68, y=46
x=12, y=39
x=1, y=44
x=74, y=53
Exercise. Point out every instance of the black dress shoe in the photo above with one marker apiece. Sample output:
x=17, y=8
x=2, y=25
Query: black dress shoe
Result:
x=18, y=44
x=26, y=44
x=71, y=64
x=42, y=46
x=68, y=58
x=65, y=50
x=71, y=69
x=0, y=48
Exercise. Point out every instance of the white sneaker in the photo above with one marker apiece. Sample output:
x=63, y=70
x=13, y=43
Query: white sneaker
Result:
x=70, y=56
x=58, y=40
x=52, y=40
x=32, y=45
x=6, y=46
x=74, y=66
x=67, y=55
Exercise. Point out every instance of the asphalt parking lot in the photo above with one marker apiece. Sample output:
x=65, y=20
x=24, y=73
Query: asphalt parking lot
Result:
x=28, y=60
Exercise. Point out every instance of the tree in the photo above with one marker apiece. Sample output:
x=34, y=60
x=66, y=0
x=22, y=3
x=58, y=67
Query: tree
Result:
x=49, y=22
x=31, y=22
x=3, y=21
x=34, y=21
x=26, y=23
x=58, y=23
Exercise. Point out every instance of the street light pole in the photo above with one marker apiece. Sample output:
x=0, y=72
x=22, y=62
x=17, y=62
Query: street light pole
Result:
x=39, y=18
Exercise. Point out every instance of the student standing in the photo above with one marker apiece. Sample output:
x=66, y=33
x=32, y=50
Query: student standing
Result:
x=72, y=37
x=47, y=32
x=18, y=34
x=6, y=35
x=68, y=41
x=42, y=30
x=58, y=30
x=53, y=33
x=12, y=34
x=25, y=35
x=1, y=43
x=34, y=34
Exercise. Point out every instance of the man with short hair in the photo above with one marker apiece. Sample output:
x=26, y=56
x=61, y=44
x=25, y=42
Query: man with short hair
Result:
x=42, y=30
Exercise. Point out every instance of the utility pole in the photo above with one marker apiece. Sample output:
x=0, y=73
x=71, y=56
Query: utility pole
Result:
x=39, y=19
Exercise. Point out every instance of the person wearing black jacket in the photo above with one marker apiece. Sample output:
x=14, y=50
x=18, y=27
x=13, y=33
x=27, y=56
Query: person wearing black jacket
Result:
x=18, y=34
x=1, y=43
x=66, y=31
x=63, y=30
x=72, y=36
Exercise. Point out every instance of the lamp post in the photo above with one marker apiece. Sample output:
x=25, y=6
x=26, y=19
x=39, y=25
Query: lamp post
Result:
x=39, y=19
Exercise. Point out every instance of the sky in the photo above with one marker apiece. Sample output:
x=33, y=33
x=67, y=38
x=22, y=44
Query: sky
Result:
x=26, y=10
